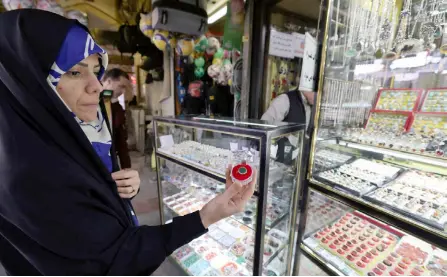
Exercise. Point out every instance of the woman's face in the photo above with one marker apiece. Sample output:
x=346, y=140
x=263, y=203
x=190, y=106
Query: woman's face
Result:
x=79, y=88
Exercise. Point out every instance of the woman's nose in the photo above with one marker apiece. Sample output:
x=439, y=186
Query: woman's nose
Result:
x=94, y=86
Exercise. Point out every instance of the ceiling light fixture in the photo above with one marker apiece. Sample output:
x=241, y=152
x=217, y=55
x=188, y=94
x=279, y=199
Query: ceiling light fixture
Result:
x=218, y=15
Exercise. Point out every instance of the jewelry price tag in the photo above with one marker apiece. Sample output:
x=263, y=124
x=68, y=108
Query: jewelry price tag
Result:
x=234, y=146
x=167, y=141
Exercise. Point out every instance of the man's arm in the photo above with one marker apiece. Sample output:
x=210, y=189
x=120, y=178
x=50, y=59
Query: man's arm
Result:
x=278, y=109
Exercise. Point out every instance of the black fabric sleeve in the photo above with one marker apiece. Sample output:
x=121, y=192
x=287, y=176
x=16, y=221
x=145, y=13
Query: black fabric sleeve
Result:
x=137, y=251
x=154, y=244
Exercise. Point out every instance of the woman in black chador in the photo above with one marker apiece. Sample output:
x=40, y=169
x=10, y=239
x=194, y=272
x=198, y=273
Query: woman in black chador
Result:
x=64, y=203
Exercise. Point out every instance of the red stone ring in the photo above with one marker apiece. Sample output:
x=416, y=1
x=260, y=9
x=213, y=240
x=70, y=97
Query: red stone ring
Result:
x=242, y=173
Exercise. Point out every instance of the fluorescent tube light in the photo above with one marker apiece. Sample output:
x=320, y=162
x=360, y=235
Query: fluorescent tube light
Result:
x=217, y=15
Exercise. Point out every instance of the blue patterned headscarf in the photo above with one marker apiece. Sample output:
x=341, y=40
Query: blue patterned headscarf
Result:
x=77, y=46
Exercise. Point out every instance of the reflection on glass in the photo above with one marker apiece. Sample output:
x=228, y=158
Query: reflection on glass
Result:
x=356, y=244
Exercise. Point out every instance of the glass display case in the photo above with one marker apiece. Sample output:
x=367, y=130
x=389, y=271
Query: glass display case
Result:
x=378, y=156
x=192, y=155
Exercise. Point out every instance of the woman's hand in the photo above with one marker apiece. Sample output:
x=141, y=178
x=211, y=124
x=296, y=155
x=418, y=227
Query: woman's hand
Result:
x=128, y=182
x=230, y=202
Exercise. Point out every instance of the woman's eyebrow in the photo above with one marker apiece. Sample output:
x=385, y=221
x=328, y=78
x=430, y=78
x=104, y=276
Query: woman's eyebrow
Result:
x=86, y=65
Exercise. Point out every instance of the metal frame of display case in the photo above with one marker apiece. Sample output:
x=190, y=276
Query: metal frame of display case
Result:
x=264, y=136
x=413, y=227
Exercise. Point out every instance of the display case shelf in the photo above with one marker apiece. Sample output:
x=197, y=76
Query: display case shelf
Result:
x=192, y=155
x=361, y=244
x=415, y=227
x=269, y=226
x=420, y=158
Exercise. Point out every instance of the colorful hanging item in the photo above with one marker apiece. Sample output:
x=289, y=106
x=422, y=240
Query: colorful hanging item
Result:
x=160, y=39
x=50, y=5
x=185, y=46
x=18, y=4
x=146, y=24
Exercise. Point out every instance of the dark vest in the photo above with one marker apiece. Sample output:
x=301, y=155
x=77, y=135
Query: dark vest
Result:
x=296, y=114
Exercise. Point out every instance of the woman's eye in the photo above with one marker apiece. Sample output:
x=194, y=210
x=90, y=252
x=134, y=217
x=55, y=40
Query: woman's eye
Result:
x=74, y=73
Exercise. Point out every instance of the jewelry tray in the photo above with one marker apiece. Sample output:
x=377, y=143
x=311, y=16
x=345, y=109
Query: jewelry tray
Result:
x=404, y=127
x=355, y=192
x=336, y=257
x=318, y=168
x=419, y=93
x=427, y=96
x=416, y=217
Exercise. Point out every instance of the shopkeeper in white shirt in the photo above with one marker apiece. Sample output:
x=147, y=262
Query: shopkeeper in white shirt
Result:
x=294, y=106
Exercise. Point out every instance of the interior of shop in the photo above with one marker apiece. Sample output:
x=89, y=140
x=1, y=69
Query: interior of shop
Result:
x=340, y=106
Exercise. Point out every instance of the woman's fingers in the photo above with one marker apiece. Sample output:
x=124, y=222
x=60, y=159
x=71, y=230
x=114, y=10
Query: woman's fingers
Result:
x=122, y=195
x=232, y=190
x=127, y=183
x=126, y=190
x=229, y=181
x=124, y=174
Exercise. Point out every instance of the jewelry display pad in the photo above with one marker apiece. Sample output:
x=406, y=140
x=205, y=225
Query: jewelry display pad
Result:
x=327, y=159
x=404, y=100
x=435, y=100
x=417, y=195
x=430, y=131
x=388, y=122
x=429, y=123
x=228, y=250
x=360, y=176
x=356, y=244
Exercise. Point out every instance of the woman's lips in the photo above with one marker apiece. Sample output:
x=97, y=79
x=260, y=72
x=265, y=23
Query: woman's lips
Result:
x=90, y=106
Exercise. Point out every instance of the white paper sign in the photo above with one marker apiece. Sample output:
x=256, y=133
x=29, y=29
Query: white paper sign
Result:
x=298, y=44
x=166, y=142
x=244, y=148
x=273, y=151
x=281, y=44
x=234, y=146
x=308, y=71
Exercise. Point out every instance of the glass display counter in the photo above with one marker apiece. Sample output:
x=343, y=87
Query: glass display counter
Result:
x=350, y=242
x=378, y=167
x=192, y=156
